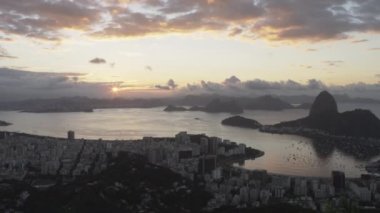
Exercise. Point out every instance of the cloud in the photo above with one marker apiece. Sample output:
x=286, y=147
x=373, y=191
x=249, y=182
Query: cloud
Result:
x=333, y=63
x=170, y=85
x=258, y=87
x=4, y=54
x=306, y=66
x=232, y=80
x=19, y=84
x=148, y=68
x=3, y=38
x=98, y=61
x=360, y=41
x=311, y=20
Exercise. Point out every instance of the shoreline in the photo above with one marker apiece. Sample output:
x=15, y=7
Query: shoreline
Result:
x=229, y=162
x=369, y=147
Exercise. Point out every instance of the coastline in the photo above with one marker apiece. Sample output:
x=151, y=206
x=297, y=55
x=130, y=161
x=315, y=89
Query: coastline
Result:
x=368, y=146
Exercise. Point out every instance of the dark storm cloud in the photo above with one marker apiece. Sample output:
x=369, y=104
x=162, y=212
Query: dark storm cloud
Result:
x=98, y=61
x=272, y=19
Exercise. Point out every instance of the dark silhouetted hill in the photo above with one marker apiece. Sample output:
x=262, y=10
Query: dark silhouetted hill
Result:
x=266, y=103
x=3, y=123
x=323, y=104
x=216, y=106
x=324, y=116
x=240, y=121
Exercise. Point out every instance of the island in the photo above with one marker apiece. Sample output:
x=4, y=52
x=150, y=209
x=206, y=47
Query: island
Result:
x=3, y=123
x=240, y=121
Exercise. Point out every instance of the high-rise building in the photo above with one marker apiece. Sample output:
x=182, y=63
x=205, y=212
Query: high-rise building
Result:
x=207, y=164
x=212, y=147
x=182, y=137
x=204, y=145
x=71, y=135
x=185, y=154
x=339, y=180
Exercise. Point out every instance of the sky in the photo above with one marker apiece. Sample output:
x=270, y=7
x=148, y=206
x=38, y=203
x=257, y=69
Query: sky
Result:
x=150, y=48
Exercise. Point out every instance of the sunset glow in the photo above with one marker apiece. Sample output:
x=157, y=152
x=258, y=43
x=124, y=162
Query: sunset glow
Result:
x=146, y=43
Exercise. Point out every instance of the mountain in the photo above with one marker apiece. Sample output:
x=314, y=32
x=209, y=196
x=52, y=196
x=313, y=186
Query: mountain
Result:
x=216, y=106
x=323, y=104
x=3, y=123
x=324, y=116
x=172, y=108
x=266, y=102
x=83, y=104
x=239, y=121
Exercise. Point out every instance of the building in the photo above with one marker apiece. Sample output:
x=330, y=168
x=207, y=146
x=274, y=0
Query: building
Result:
x=217, y=173
x=207, y=164
x=362, y=192
x=182, y=137
x=71, y=135
x=185, y=154
x=339, y=180
x=204, y=145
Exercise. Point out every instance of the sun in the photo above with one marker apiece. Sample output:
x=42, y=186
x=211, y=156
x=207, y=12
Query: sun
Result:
x=115, y=89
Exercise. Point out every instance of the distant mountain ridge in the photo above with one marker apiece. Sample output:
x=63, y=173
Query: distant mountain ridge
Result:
x=3, y=123
x=85, y=104
x=207, y=103
x=215, y=106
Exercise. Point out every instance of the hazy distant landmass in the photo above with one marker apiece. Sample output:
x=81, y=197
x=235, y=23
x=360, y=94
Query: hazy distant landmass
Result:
x=218, y=105
x=240, y=121
x=3, y=123
x=172, y=108
x=215, y=106
x=201, y=102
